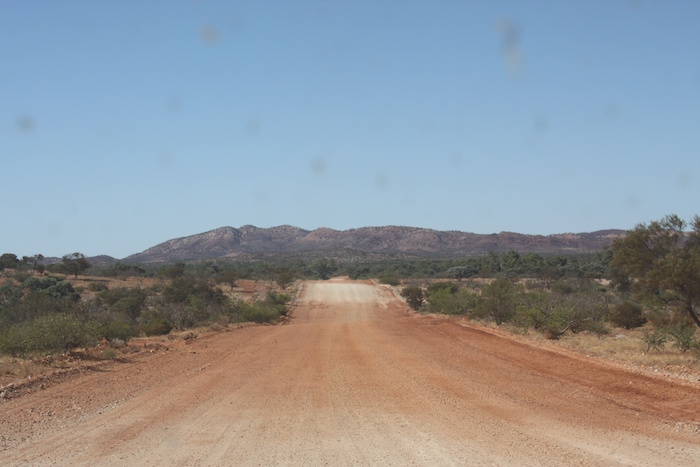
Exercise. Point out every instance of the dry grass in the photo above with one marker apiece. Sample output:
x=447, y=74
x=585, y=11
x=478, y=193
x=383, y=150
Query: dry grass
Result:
x=628, y=346
x=17, y=368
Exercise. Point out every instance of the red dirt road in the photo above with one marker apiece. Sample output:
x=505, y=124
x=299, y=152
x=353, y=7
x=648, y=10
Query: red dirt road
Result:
x=354, y=379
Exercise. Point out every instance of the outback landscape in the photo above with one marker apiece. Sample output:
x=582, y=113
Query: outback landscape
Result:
x=350, y=233
x=553, y=350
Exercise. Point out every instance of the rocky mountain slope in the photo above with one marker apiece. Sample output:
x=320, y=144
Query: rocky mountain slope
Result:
x=246, y=241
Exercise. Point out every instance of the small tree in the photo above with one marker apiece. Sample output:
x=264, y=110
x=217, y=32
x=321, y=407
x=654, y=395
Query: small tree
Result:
x=8, y=261
x=663, y=261
x=173, y=271
x=284, y=277
x=74, y=263
x=229, y=277
x=324, y=268
x=462, y=272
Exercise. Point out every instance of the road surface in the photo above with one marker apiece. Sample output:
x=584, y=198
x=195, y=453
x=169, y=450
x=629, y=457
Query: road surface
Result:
x=354, y=379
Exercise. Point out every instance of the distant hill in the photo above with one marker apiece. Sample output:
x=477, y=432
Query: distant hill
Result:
x=231, y=243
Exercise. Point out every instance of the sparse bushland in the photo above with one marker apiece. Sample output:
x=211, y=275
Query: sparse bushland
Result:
x=45, y=314
x=650, y=279
x=572, y=306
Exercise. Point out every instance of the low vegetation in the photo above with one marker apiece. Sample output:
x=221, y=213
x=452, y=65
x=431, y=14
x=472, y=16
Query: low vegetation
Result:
x=45, y=314
x=649, y=280
x=646, y=285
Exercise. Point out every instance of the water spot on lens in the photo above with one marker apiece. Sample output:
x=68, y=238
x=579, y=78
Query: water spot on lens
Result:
x=26, y=123
x=510, y=45
x=164, y=161
x=174, y=104
x=209, y=34
x=381, y=181
x=633, y=202
x=54, y=229
x=318, y=166
x=252, y=126
x=685, y=180
x=541, y=125
x=611, y=110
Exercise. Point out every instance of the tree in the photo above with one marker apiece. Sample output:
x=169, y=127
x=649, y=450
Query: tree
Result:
x=283, y=277
x=173, y=271
x=36, y=262
x=662, y=261
x=8, y=261
x=461, y=272
x=74, y=263
x=324, y=268
x=229, y=276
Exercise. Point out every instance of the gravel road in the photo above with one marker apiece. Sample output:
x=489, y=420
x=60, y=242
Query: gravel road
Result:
x=354, y=378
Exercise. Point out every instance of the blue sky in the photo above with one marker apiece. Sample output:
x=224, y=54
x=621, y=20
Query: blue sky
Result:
x=125, y=124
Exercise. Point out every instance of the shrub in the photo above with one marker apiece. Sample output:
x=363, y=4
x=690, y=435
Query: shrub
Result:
x=655, y=340
x=179, y=316
x=683, y=335
x=52, y=286
x=498, y=300
x=259, y=312
x=628, y=315
x=562, y=287
x=109, y=354
x=53, y=333
x=97, y=286
x=452, y=303
x=21, y=276
x=413, y=295
x=154, y=324
x=277, y=298
x=118, y=330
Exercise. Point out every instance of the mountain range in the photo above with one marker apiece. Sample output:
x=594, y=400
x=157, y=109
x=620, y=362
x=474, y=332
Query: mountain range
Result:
x=229, y=243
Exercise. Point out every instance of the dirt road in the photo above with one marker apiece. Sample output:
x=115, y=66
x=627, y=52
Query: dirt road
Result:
x=354, y=379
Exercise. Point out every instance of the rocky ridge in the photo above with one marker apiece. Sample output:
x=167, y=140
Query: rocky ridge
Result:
x=231, y=243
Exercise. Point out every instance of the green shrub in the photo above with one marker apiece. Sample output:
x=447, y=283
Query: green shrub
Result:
x=443, y=300
x=628, y=315
x=683, y=335
x=53, y=333
x=655, y=340
x=118, y=330
x=21, y=276
x=499, y=300
x=551, y=319
x=260, y=312
x=154, y=324
x=277, y=298
x=52, y=286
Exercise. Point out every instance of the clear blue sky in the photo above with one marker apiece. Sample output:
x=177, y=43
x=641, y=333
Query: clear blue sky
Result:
x=127, y=123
